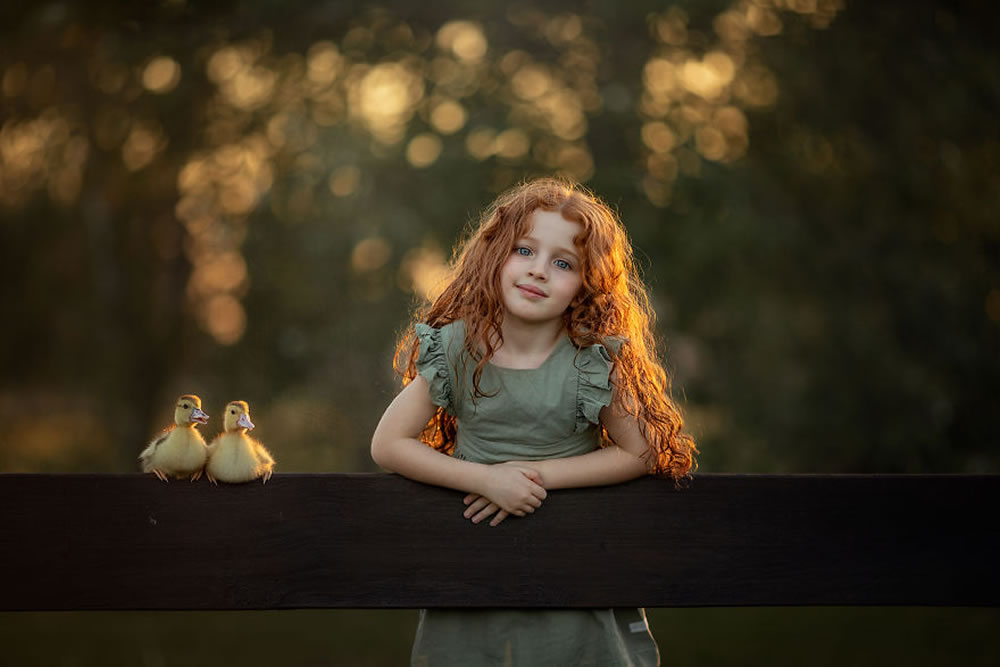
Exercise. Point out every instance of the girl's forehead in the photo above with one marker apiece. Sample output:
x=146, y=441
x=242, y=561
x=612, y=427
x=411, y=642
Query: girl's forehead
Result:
x=551, y=223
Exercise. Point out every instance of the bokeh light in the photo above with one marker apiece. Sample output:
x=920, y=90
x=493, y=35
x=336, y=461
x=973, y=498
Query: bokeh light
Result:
x=161, y=75
x=345, y=181
x=465, y=39
x=370, y=254
x=423, y=150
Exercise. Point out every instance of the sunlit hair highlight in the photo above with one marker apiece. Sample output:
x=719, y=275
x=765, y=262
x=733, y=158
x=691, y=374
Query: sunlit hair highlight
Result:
x=612, y=303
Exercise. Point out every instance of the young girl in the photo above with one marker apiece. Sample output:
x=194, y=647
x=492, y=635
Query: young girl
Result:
x=535, y=369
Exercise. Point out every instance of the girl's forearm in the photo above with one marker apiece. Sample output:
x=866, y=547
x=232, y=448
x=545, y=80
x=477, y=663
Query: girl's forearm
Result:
x=515, y=489
x=413, y=459
x=610, y=465
x=395, y=446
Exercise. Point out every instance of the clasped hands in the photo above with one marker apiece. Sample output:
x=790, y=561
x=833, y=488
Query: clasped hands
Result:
x=510, y=488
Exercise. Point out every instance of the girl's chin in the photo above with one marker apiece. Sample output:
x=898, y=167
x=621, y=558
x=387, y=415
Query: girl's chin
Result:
x=531, y=316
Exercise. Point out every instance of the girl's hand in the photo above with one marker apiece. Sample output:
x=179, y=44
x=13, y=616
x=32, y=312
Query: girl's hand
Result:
x=481, y=507
x=509, y=489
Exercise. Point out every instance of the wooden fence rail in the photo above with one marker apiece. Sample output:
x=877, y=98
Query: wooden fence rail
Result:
x=89, y=542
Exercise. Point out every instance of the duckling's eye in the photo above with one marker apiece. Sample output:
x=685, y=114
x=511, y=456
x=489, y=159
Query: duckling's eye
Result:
x=232, y=412
x=185, y=406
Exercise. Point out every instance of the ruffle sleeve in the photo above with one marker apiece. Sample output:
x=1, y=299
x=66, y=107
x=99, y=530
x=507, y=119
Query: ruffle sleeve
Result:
x=593, y=390
x=432, y=364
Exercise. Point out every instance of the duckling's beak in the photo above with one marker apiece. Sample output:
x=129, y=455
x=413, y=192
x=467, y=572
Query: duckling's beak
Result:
x=245, y=422
x=198, y=416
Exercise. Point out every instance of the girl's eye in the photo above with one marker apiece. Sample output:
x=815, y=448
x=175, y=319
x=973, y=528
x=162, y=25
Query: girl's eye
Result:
x=563, y=264
x=523, y=251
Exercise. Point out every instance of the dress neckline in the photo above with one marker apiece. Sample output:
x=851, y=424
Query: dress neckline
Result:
x=563, y=341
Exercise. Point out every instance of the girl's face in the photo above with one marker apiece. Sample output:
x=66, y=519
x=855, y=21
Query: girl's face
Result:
x=542, y=275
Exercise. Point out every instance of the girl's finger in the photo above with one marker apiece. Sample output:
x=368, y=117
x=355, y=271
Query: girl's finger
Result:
x=469, y=498
x=476, y=505
x=532, y=475
x=501, y=515
x=489, y=510
x=535, y=502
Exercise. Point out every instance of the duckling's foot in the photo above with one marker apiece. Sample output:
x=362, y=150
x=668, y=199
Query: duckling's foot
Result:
x=267, y=476
x=159, y=473
x=196, y=475
x=209, y=477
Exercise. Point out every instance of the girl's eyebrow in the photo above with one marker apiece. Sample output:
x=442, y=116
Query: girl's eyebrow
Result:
x=559, y=250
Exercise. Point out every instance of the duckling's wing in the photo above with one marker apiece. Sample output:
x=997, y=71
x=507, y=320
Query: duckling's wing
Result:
x=147, y=453
x=214, y=445
x=263, y=455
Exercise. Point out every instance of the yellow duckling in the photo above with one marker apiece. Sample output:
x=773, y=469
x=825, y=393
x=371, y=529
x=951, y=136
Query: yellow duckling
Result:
x=179, y=450
x=234, y=456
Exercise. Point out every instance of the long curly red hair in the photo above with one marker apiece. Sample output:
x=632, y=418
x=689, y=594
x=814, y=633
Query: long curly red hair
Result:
x=612, y=302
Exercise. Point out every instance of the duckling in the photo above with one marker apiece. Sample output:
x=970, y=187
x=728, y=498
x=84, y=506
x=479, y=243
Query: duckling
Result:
x=233, y=455
x=179, y=450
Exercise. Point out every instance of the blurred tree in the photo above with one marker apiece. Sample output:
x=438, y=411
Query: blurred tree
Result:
x=243, y=201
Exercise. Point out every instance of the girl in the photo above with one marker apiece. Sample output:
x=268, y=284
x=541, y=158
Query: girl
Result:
x=535, y=369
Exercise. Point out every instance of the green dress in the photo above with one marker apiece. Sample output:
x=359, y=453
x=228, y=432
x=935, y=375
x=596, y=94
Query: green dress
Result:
x=561, y=400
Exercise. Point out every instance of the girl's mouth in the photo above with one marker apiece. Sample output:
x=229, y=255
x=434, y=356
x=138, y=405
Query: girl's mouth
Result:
x=531, y=291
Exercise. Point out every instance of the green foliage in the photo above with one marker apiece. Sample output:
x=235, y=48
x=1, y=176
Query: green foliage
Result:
x=245, y=201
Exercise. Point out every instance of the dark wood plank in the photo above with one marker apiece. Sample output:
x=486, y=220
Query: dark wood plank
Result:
x=371, y=540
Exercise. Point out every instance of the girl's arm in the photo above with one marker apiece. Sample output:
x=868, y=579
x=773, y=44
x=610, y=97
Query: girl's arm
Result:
x=621, y=462
x=396, y=447
x=614, y=464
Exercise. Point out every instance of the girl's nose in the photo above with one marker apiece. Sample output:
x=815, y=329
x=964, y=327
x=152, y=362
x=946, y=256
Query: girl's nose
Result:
x=537, y=270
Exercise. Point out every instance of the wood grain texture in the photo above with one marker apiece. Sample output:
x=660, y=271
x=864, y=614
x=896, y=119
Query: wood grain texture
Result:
x=89, y=542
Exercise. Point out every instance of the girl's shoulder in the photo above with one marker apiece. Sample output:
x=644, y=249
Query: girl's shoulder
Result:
x=439, y=350
x=613, y=343
x=594, y=364
x=608, y=346
x=447, y=337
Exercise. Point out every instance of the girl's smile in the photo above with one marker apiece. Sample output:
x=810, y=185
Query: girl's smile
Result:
x=532, y=292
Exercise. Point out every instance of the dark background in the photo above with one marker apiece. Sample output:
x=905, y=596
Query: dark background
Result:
x=244, y=200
